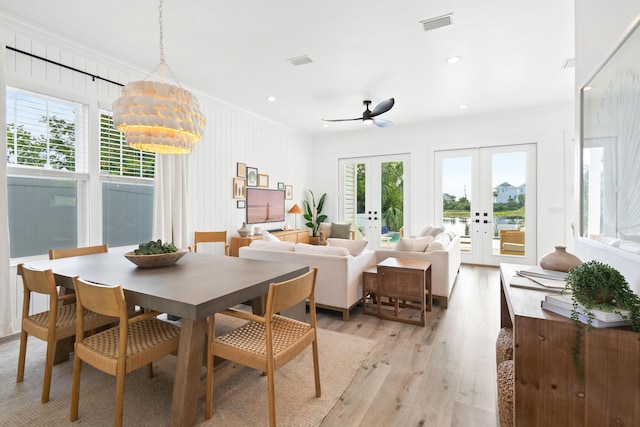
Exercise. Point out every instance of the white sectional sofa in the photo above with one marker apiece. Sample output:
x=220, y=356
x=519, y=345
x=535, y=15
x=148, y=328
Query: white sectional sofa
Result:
x=339, y=281
x=445, y=263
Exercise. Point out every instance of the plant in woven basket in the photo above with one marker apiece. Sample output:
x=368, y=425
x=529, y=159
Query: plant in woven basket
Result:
x=313, y=213
x=599, y=286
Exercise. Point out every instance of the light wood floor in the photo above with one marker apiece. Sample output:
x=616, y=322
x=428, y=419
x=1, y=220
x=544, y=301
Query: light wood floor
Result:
x=442, y=374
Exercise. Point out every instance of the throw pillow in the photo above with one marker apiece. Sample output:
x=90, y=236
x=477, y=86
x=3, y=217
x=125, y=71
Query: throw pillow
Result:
x=269, y=237
x=611, y=241
x=340, y=231
x=418, y=244
x=436, y=245
x=355, y=247
x=304, y=248
x=425, y=231
x=431, y=231
x=325, y=227
x=273, y=246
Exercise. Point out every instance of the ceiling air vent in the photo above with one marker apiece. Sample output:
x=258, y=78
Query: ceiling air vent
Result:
x=439, y=22
x=300, y=60
x=568, y=63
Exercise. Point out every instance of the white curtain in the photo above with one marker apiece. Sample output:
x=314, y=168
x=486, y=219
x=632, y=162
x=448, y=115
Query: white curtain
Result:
x=170, y=200
x=6, y=324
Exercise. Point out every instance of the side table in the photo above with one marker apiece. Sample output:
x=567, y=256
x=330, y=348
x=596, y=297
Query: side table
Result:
x=405, y=283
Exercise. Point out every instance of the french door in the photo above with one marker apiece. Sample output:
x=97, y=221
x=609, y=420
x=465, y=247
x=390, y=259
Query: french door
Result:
x=487, y=196
x=372, y=197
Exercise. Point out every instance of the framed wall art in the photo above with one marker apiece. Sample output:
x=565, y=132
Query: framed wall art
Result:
x=241, y=204
x=252, y=177
x=288, y=192
x=263, y=180
x=239, y=188
x=281, y=186
x=241, y=170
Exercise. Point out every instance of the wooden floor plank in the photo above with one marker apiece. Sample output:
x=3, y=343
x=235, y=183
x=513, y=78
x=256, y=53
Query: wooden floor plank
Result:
x=442, y=374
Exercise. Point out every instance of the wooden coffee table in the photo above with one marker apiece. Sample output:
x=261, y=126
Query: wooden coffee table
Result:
x=398, y=283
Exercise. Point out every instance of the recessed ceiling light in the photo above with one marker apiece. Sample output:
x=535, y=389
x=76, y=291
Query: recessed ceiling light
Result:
x=452, y=59
x=325, y=125
x=271, y=98
x=462, y=106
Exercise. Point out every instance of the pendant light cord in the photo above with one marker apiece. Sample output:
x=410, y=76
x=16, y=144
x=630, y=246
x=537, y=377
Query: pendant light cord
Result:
x=162, y=66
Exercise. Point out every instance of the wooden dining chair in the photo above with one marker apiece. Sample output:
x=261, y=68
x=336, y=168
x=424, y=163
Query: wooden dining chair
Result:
x=85, y=250
x=270, y=342
x=210, y=237
x=135, y=342
x=57, y=323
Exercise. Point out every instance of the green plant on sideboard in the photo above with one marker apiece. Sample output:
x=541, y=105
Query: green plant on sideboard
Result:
x=313, y=213
x=598, y=286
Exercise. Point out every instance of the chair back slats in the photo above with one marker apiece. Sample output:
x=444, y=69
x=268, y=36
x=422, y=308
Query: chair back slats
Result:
x=86, y=250
x=210, y=237
x=106, y=300
x=38, y=281
x=286, y=294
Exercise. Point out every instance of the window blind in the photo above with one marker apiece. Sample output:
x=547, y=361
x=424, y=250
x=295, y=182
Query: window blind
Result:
x=116, y=158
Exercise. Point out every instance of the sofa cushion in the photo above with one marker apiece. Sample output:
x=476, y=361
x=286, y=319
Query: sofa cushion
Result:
x=439, y=243
x=305, y=248
x=269, y=237
x=340, y=231
x=355, y=247
x=632, y=237
x=413, y=244
x=273, y=246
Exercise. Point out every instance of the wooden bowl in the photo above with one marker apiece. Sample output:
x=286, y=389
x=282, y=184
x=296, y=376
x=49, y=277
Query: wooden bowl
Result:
x=156, y=260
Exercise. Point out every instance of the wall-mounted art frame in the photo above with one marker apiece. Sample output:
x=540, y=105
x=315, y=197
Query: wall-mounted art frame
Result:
x=252, y=177
x=239, y=188
x=241, y=204
x=288, y=192
x=263, y=180
x=281, y=186
x=241, y=170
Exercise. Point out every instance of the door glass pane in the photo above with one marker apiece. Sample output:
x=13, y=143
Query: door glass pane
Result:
x=508, y=180
x=392, y=202
x=354, y=180
x=456, y=198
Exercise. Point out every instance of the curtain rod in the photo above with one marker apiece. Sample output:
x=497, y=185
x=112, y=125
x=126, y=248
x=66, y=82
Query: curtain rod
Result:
x=93, y=76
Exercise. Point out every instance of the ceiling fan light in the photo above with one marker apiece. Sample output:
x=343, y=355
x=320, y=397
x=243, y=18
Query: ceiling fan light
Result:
x=367, y=121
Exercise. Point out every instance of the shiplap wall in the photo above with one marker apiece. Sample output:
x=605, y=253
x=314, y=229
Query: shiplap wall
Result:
x=231, y=136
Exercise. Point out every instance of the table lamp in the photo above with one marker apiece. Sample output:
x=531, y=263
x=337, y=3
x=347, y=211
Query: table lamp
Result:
x=296, y=210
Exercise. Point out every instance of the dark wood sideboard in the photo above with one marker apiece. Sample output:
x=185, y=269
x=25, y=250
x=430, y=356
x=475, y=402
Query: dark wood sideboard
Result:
x=547, y=390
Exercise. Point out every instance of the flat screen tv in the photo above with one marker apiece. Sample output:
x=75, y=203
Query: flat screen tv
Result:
x=264, y=205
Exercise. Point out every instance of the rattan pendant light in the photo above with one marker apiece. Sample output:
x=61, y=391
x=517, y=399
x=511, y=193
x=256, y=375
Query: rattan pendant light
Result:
x=157, y=116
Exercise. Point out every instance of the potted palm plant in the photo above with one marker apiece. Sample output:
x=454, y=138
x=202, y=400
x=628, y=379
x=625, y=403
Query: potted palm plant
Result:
x=598, y=286
x=313, y=214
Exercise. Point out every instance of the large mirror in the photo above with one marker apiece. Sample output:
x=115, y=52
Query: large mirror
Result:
x=610, y=190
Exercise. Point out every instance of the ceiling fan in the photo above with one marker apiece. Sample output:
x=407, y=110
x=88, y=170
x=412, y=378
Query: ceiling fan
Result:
x=369, y=116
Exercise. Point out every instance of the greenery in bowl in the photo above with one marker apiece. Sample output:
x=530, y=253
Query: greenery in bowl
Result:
x=599, y=286
x=154, y=248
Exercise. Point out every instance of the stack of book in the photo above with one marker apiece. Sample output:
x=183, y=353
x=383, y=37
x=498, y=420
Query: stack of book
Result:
x=563, y=305
x=550, y=279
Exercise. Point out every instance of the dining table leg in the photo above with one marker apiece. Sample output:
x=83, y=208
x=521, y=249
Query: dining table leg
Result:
x=184, y=403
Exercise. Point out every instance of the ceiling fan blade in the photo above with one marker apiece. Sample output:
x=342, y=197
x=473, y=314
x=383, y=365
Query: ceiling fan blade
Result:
x=340, y=120
x=382, y=123
x=383, y=107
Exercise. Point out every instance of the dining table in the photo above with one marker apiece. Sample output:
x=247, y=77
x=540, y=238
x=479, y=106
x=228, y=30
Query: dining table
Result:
x=195, y=287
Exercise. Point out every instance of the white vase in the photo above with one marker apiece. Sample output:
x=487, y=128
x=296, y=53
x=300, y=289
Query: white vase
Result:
x=244, y=230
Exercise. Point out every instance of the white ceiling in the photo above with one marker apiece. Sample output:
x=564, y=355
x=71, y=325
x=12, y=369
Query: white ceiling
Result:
x=237, y=50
